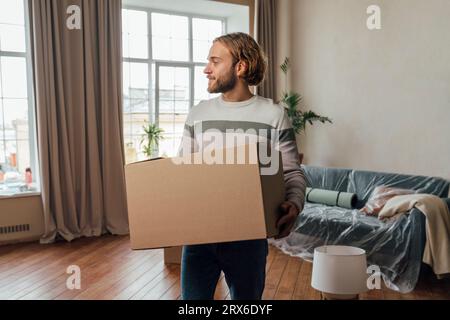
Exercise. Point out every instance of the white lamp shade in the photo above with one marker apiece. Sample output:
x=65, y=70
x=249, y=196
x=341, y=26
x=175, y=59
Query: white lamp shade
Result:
x=339, y=270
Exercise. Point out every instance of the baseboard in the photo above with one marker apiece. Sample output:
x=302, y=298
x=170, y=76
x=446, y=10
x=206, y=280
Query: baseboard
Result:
x=20, y=241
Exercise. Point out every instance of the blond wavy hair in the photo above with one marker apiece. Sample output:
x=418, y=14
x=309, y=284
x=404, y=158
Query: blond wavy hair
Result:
x=244, y=48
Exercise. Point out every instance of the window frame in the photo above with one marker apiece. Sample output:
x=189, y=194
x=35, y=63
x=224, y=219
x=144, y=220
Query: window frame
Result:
x=32, y=126
x=153, y=110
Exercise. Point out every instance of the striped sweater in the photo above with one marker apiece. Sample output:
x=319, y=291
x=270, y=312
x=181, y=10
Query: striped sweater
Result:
x=250, y=119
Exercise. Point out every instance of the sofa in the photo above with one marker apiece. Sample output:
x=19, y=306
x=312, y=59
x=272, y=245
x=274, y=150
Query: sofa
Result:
x=396, y=247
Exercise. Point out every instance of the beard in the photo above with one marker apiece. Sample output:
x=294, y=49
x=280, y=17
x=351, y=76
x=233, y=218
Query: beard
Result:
x=225, y=83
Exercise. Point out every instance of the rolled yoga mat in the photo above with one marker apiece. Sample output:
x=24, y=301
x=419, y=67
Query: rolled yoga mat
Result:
x=331, y=198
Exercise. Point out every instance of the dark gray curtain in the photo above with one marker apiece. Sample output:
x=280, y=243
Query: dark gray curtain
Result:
x=77, y=75
x=266, y=36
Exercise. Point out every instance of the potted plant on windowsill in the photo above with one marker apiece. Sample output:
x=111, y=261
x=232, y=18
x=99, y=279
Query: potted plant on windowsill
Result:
x=151, y=137
x=291, y=101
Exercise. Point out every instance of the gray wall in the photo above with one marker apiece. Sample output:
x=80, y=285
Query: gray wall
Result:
x=388, y=90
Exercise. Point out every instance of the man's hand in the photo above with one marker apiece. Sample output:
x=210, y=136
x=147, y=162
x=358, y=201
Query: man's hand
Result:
x=288, y=219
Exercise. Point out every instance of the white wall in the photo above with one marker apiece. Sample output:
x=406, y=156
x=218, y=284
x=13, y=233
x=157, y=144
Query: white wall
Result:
x=284, y=40
x=388, y=91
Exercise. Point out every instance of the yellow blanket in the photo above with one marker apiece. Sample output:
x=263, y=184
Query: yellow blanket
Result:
x=437, y=246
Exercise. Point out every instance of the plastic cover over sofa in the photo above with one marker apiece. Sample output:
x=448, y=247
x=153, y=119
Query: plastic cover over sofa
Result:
x=395, y=246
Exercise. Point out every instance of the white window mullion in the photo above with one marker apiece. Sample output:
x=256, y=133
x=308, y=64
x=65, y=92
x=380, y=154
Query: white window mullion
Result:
x=157, y=93
x=192, y=83
x=191, y=41
x=152, y=111
x=192, y=67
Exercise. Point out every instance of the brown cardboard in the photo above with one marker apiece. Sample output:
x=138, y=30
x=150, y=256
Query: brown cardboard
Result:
x=171, y=204
x=173, y=255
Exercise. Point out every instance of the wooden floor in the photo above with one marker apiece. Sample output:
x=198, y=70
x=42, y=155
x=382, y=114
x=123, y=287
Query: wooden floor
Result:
x=110, y=270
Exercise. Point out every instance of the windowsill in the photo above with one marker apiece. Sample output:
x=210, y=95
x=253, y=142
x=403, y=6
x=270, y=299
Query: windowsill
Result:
x=18, y=189
x=19, y=195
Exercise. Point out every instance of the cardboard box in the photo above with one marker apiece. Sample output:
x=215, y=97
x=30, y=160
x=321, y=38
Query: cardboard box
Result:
x=172, y=204
x=173, y=255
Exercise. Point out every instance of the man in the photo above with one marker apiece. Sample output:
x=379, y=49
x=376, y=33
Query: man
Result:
x=235, y=63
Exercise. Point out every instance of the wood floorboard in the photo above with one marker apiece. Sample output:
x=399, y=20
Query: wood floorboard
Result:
x=110, y=270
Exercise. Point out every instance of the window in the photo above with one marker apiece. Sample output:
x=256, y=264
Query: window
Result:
x=164, y=55
x=17, y=138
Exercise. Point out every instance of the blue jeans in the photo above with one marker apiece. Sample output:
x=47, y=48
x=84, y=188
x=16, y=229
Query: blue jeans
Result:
x=243, y=263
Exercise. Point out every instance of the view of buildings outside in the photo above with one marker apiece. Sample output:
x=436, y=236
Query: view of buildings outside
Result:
x=16, y=125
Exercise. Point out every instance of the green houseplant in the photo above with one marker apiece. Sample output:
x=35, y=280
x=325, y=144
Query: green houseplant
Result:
x=150, y=139
x=291, y=101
